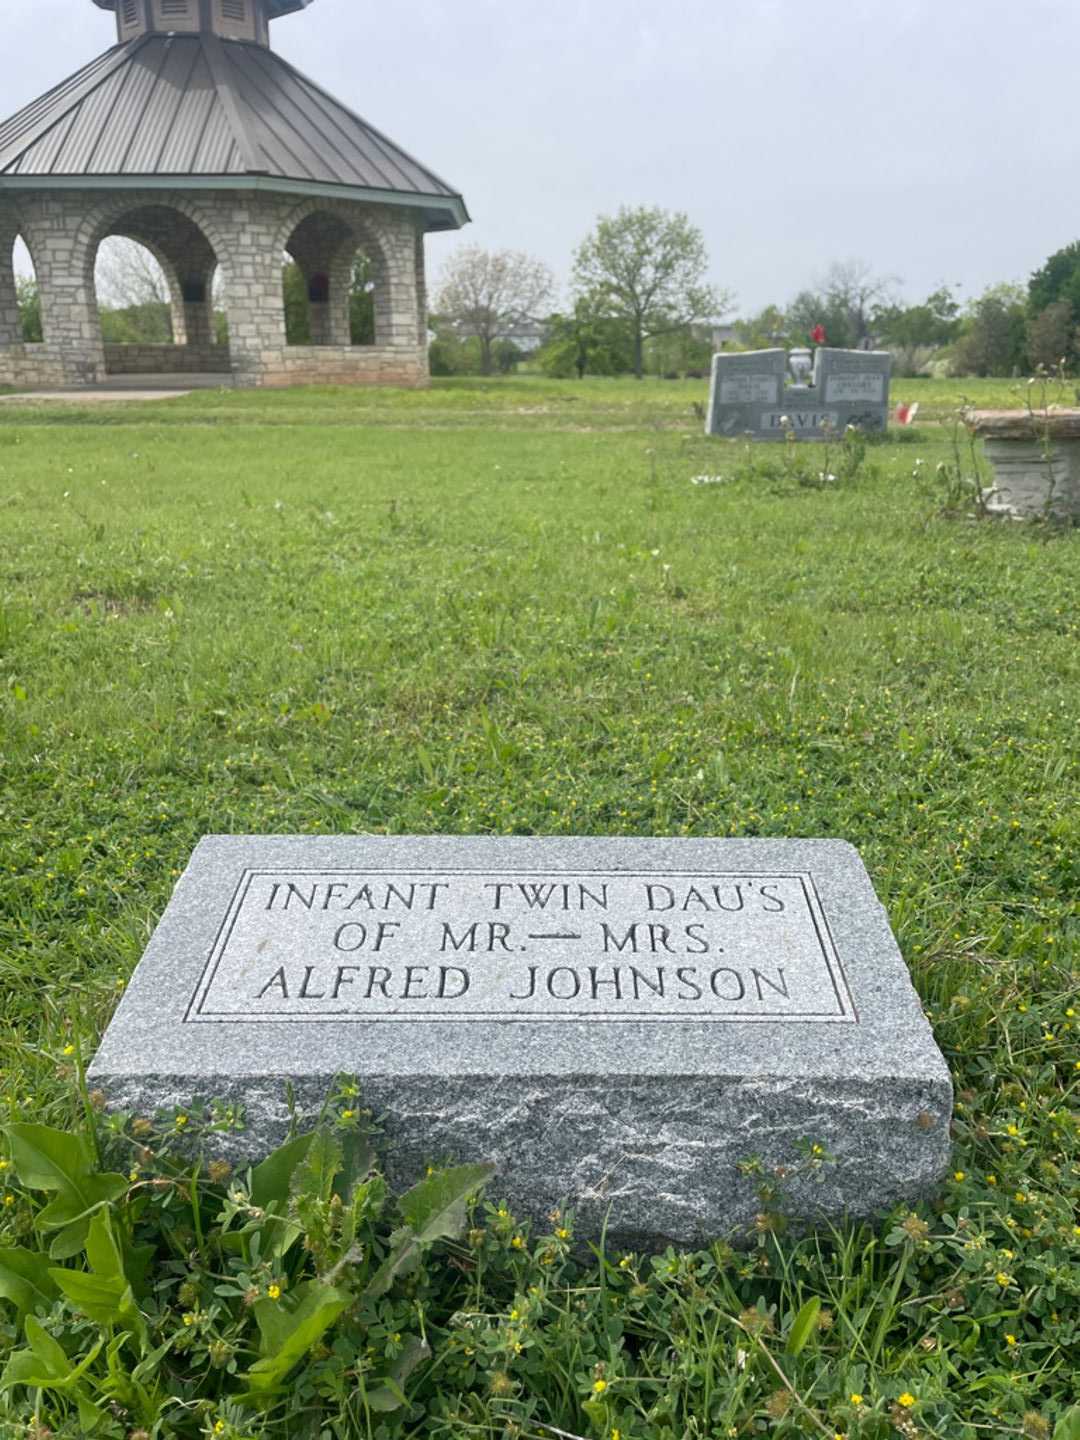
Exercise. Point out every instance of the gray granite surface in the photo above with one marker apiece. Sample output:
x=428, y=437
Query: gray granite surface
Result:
x=616, y=1023
x=751, y=395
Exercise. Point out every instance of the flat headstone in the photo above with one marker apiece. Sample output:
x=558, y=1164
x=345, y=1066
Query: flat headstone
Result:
x=751, y=395
x=617, y=1023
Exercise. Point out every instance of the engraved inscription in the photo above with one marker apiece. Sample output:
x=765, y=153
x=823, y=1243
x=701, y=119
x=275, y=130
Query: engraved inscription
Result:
x=378, y=946
x=799, y=420
x=750, y=390
x=855, y=388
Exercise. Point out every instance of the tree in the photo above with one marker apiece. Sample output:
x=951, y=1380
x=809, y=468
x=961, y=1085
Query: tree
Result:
x=647, y=269
x=763, y=331
x=126, y=274
x=584, y=343
x=680, y=353
x=1053, y=337
x=485, y=293
x=1059, y=279
x=994, y=337
x=935, y=322
x=29, y=300
x=133, y=294
x=845, y=301
x=146, y=324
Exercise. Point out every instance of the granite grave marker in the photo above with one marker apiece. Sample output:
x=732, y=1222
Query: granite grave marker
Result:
x=752, y=395
x=614, y=1022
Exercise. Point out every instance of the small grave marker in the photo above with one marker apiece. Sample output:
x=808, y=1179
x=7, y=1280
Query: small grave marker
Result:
x=616, y=1023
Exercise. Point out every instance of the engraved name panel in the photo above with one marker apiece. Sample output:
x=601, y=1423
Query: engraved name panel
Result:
x=501, y=945
x=799, y=420
x=750, y=390
x=855, y=389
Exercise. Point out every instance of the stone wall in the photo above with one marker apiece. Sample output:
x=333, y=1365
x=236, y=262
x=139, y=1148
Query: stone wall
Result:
x=244, y=234
x=30, y=367
x=348, y=365
x=167, y=360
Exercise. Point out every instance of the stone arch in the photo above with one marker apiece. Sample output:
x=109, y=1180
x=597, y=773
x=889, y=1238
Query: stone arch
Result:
x=186, y=246
x=325, y=239
x=12, y=239
x=145, y=288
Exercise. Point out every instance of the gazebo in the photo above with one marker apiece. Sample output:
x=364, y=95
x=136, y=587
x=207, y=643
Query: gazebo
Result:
x=193, y=138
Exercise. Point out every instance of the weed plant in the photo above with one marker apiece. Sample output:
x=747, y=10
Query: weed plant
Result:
x=506, y=608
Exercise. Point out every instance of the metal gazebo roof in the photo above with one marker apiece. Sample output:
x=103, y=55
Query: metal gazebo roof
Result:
x=197, y=112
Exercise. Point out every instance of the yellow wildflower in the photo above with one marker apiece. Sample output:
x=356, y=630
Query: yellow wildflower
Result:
x=599, y=1386
x=856, y=1399
x=274, y=1292
x=518, y=1242
x=959, y=1175
x=907, y=1400
x=1010, y=1339
x=68, y=1050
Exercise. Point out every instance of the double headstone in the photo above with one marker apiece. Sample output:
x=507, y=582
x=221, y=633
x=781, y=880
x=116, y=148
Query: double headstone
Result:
x=751, y=395
x=621, y=1025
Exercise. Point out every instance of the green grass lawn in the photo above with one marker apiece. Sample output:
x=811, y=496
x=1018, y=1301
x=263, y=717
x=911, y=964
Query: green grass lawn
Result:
x=503, y=607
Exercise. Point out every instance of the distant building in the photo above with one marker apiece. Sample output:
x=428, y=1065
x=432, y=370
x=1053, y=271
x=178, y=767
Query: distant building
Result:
x=712, y=332
x=528, y=336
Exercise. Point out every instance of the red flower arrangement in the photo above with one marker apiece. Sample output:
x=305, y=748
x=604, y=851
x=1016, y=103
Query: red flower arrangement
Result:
x=817, y=335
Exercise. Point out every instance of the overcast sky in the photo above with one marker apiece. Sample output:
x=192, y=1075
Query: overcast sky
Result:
x=934, y=139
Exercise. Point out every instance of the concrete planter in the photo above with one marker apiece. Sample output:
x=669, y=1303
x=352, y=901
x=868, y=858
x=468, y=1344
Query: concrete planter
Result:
x=1035, y=456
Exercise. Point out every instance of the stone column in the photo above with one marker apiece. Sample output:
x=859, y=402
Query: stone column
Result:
x=10, y=319
x=324, y=255
x=253, y=299
x=397, y=283
x=338, y=316
x=197, y=325
x=64, y=259
x=420, y=262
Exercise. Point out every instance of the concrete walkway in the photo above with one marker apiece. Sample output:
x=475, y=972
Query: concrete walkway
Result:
x=123, y=389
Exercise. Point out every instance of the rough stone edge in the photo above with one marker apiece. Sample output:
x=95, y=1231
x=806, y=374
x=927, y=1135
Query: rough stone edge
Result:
x=903, y=1137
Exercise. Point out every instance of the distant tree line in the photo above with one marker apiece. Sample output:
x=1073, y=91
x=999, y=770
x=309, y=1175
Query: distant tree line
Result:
x=640, y=304
x=1008, y=330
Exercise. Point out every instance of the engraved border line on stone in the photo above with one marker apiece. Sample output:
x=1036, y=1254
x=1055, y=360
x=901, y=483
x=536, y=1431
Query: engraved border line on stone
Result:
x=848, y=1014
x=808, y=880
x=214, y=959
